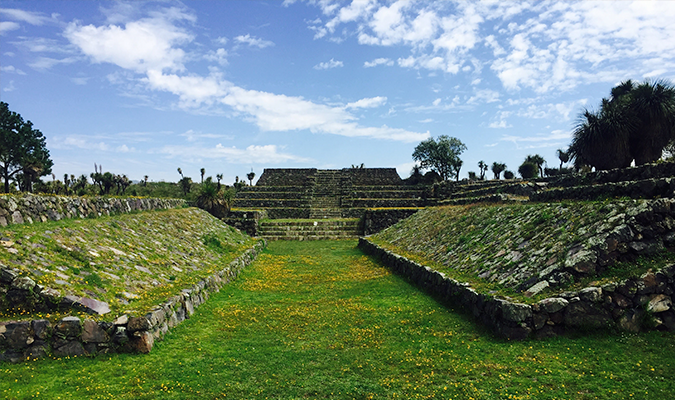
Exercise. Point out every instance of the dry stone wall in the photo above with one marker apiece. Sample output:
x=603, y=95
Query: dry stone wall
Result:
x=637, y=304
x=72, y=336
x=29, y=208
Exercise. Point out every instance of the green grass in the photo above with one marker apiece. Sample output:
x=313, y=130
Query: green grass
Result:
x=321, y=320
x=130, y=261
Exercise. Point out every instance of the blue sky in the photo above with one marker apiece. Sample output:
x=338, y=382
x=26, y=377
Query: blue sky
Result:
x=143, y=88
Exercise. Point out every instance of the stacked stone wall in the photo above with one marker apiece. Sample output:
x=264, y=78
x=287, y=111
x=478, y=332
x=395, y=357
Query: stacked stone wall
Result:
x=636, y=304
x=377, y=220
x=373, y=176
x=287, y=177
x=29, y=208
x=71, y=336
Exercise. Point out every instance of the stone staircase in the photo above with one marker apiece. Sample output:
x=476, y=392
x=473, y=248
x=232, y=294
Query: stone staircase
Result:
x=321, y=229
x=326, y=196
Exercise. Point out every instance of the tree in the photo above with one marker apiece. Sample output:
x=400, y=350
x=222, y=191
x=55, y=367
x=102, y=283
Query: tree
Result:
x=202, y=171
x=219, y=177
x=441, y=156
x=180, y=171
x=636, y=124
x=498, y=168
x=528, y=170
x=250, y=176
x=22, y=149
x=483, y=168
x=472, y=176
x=145, y=180
x=185, y=184
x=538, y=161
x=563, y=156
x=508, y=175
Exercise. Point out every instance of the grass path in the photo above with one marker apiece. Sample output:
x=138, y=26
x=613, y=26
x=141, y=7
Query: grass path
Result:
x=321, y=320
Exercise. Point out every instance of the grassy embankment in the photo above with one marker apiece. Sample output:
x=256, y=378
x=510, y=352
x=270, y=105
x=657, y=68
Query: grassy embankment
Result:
x=130, y=261
x=496, y=248
x=320, y=320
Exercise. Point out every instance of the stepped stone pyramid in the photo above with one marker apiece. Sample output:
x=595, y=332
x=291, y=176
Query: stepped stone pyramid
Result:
x=331, y=201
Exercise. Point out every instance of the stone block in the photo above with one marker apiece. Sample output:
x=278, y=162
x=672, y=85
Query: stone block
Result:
x=659, y=303
x=17, y=335
x=553, y=304
x=142, y=342
x=68, y=327
x=93, y=333
x=41, y=328
x=632, y=320
x=591, y=294
x=138, y=324
x=583, y=314
x=515, y=312
x=69, y=349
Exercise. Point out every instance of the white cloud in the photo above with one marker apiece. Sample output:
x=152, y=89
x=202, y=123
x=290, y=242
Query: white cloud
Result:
x=252, y=41
x=44, y=63
x=556, y=138
x=10, y=69
x=6, y=26
x=32, y=18
x=500, y=121
x=143, y=45
x=266, y=154
x=192, y=136
x=484, y=96
x=378, y=61
x=329, y=64
x=219, y=56
x=371, y=102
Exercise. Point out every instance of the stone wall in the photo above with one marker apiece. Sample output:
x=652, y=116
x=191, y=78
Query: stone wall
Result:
x=643, y=189
x=637, y=304
x=286, y=177
x=245, y=221
x=70, y=336
x=373, y=176
x=29, y=208
x=642, y=172
x=377, y=220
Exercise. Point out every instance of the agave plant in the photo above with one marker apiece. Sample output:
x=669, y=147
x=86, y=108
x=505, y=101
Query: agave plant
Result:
x=214, y=201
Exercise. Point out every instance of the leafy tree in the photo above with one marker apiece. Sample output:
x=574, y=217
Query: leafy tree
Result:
x=22, y=149
x=251, y=175
x=528, y=170
x=498, y=168
x=538, y=161
x=441, y=156
x=508, y=175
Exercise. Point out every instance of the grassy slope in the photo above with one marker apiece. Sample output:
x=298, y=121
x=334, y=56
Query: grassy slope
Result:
x=466, y=241
x=320, y=320
x=140, y=259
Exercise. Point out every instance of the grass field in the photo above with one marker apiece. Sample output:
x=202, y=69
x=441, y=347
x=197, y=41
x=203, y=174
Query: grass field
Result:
x=321, y=320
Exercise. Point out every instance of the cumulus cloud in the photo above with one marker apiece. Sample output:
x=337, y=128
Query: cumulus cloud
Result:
x=329, y=64
x=160, y=59
x=542, y=46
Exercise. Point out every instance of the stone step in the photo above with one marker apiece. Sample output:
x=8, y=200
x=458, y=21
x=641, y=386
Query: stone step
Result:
x=309, y=229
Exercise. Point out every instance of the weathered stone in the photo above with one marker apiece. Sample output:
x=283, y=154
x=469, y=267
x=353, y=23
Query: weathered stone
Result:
x=138, y=324
x=17, y=335
x=68, y=327
x=515, y=312
x=621, y=300
x=582, y=261
x=7, y=275
x=69, y=349
x=591, y=294
x=142, y=341
x=120, y=335
x=659, y=303
x=553, y=304
x=92, y=306
x=92, y=332
x=632, y=320
x=41, y=328
x=36, y=351
x=587, y=315
x=23, y=283
x=539, y=319
x=17, y=218
x=536, y=288
x=121, y=320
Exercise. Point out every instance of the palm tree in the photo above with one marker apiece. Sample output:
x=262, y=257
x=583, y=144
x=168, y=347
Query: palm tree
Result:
x=563, y=156
x=482, y=167
x=600, y=139
x=180, y=171
x=145, y=180
x=653, y=104
x=497, y=168
x=202, y=171
x=250, y=176
x=219, y=177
